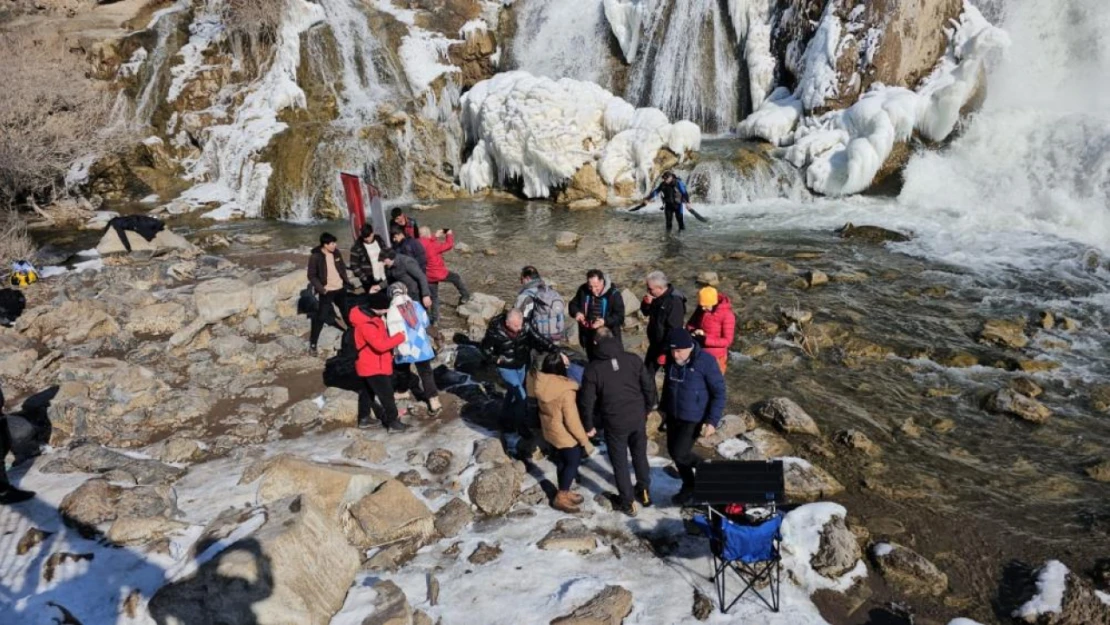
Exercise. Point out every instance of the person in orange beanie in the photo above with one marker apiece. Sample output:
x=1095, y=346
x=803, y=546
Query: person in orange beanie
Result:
x=713, y=325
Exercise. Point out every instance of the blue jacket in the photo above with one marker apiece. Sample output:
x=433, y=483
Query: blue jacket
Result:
x=695, y=391
x=674, y=195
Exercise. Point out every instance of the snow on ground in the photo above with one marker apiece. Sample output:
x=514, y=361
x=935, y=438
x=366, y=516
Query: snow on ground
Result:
x=554, y=582
x=1052, y=581
x=542, y=131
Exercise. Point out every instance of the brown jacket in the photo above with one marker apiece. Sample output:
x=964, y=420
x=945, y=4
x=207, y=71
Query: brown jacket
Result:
x=559, y=412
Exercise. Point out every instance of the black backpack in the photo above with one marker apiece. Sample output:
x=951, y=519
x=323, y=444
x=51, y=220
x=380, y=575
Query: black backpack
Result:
x=339, y=370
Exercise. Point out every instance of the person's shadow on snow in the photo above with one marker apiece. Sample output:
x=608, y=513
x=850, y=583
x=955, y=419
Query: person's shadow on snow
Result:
x=223, y=591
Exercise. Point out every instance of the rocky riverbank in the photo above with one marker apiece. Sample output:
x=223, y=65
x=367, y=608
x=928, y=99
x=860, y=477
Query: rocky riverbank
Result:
x=189, y=425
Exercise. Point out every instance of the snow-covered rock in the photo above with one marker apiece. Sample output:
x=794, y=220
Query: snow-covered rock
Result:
x=542, y=131
x=775, y=118
x=809, y=553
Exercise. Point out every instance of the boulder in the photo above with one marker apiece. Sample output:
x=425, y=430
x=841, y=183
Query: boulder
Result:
x=482, y=307
x=1006, y=401
x=390, y=514
x=91, y=458
x=221, y=298
x=157, y=319
x=266, y=295
x=1004, y=333
x=807, y=482
x=331, y=488
x=584, y=184
x=608, y=607
x=569, y=535
x=495, y=488
x=567, y=240
x=787, y=416
x=296, y=568
x=858, y=441
x=908, y=571
x=870, y=234
x=162, y=242
x=68, y=324
x=839, y=550
x=99, y=501
x=452, y=517
x=438, y=461
x=764, y=445
x=131, y=531
x=1062, y=598
x=366, y=450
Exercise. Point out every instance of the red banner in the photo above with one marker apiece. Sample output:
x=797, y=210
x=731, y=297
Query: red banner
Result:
x=356, y=210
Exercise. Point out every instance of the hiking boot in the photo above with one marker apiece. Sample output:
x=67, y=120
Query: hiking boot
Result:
x=367, y=423
x=683, y=497
x=563, y=503
x=434, y=407
x=11, y=495
x=464, y=300
x=396, y=426
x=627, y=508
x=643, y=496
x=312, y=350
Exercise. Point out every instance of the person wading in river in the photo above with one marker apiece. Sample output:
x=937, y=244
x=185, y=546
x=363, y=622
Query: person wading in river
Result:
x=328, y=276
x=673, y=193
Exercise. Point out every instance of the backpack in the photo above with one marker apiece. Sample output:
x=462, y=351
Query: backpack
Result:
x=23, y=274
x=549, y=313
x=339, y=370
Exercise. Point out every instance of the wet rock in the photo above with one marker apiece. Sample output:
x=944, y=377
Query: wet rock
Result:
x=1100, y=397
x=858, y=441
x=484, y=553
x=807, y=482
x=390, y=514
x=908, y=571
x=71, y=323
x=99, y=501
x=1004, y=333
x=608, y=607
x=815, y=278
x=703, y=606
x=97, y=459
x=765, y=445
x=494, y=489
x=1037, y=365
x=584, y=204
x=569, y=535
x=1047, y=320
x=943, y=425
x=1067, y=324
x=960, y=360
x=1027, y=387
x=453, y=517
x=708, y=278
x=787, y=416
x=909, y=428
x=131, y=531
x=1099, y=472
x=838, y=552
x=439, y=461
x=157, y=319
x=1006, y=401
x=567, y=240
x=870, y=234
x=366, y=450
x=731, y=426
x=296, y=568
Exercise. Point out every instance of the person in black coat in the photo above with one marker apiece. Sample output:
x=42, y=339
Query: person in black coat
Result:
x=365, y=263
x=665, y=308
x=328, y=276
x=8, y=494
x=409, y=246
x=597, y=304
x=509, y=343
x=617, y=393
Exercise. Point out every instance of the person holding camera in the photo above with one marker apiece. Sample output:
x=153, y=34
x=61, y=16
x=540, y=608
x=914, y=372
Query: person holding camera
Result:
x=435, y=245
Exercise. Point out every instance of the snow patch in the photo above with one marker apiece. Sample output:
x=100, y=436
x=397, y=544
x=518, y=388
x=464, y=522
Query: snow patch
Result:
x=542, y=131
x=801, y=539
x=202, y=32
x=732, y=448
x=473, y=27
x=882, y=550
x=1052, y=581
x=963, y=621
x=626, y=18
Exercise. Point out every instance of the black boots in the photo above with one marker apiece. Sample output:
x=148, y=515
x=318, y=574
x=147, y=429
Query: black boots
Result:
x=11, y=495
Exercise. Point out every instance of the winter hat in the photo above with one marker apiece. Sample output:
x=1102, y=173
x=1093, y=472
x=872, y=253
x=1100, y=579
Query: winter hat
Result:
x=679, y=338
x=708, y=297
x=398, y=288
x=378, y=301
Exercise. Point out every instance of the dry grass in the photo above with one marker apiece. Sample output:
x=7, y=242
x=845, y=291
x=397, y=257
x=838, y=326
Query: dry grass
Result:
x=257, y=21
x=51, y=113
x=15, y=242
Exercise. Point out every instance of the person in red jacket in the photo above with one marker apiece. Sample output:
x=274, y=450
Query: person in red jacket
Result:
x=375, y=362
x=437, y=267
x=713, y=324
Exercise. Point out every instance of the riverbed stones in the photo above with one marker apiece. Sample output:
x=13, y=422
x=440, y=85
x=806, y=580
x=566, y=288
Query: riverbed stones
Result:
x=220, y=298
x=438, y=461
x=569, y=535
x=296, y=568
x=908, y=570
x=1027, y=387
x=484, y=553
x=708, y=278
x=391, y=514
x=1099, y=472
x=567, y=240
x=366, y=450
x=453, y=517
x=608, y=607
x=870, y=234
x=91, y=458
x=1006, y=401
x=1004, y=333
x=838, y=552
x=858, y=441
x=807, y=482
x=787, y=416
x=1100, y=397
x=495, y=488
x=764, y=445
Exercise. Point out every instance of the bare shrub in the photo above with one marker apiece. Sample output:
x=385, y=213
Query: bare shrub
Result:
x=15, y=242
x=256, y=21
x=51, y=113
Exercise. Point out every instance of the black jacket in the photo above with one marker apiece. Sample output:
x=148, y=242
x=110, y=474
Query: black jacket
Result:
x=616, y=389
x=361, y=265
x=665, y=313
x=513, y=352
x=406, y=271
x=412, y=248
x=612, y=305
x=318, y=270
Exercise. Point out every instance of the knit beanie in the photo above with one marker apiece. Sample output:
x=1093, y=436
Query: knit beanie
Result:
x=707, y=297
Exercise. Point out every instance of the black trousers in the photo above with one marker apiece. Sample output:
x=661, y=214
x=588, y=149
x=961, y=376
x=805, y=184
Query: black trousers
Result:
x=674, y=212
x=452, y=278
x=618, y=445
x=566, y=462
x=427, y=380
x=680, y=445
x=651, y=358
x=380, y=388
x=5, y=447
x=326, y=313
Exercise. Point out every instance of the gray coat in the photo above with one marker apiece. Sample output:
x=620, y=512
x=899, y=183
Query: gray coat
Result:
x=406, y=270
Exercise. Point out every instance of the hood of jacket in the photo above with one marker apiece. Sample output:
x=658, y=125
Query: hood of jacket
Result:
x=550, y=387
x=608, y=348
x=724, y=304
x=358, y=317
x=531, y=284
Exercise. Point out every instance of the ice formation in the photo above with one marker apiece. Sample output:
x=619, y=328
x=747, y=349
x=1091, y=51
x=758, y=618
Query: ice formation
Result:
x=541, y=131
x=751, y=20
x=1052, y=582
x=775, y=119
x=625, y=18
x=819, y=78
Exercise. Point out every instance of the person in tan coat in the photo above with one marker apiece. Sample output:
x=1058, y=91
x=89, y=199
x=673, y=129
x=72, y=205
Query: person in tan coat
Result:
x=562, y=427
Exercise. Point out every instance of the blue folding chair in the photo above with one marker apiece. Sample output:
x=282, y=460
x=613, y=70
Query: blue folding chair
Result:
x=748, y=551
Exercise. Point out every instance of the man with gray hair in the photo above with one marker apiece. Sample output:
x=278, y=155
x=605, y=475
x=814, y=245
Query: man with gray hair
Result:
x=665, y=308
x=509, y=343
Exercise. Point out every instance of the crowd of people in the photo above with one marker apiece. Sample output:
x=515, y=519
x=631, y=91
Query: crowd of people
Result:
x=607, y=397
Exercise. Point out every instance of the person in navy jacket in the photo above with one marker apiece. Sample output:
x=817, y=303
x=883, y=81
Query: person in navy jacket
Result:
x=692, y=404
